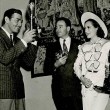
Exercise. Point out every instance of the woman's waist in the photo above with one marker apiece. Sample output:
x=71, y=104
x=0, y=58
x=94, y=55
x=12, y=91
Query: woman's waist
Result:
x=93, y=70
x=97, y=77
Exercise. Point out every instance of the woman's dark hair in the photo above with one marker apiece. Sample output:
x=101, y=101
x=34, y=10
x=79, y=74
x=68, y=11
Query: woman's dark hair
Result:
x=9, y=13
x=100, y=33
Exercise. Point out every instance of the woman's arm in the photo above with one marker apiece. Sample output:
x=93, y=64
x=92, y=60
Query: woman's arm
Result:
x=78, y=63
x=78, y=69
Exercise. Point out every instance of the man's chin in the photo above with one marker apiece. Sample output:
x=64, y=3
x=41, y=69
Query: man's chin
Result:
x=59, y=35
x=17, y=31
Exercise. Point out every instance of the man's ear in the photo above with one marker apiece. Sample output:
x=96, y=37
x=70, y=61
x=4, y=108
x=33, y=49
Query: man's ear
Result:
x=68, y=28
x=6, y=19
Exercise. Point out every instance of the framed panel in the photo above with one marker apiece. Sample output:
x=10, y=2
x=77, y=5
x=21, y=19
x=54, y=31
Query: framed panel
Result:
x=38, y=67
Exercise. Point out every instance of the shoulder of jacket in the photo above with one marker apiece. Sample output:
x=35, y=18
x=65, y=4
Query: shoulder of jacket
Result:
x=84, y=44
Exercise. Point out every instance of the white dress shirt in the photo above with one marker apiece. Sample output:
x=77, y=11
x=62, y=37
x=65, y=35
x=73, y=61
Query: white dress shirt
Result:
x=67, y=42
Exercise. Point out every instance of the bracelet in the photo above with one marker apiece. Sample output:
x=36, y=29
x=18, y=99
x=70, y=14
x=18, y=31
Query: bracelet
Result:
x=82, y=76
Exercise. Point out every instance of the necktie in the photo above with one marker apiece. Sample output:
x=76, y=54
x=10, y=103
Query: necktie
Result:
x=11, y=39
x=65, y=50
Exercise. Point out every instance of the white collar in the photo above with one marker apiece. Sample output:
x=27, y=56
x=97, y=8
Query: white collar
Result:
x=66, y=40
x=8, y=34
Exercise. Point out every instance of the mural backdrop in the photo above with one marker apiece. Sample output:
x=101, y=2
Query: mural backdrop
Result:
x=42, y=14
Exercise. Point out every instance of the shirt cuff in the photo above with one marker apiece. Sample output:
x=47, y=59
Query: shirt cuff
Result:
x=25, y=44
x=34, y=43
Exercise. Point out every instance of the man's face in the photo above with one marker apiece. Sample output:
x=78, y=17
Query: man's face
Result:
x=15, y=23
x=61, y=29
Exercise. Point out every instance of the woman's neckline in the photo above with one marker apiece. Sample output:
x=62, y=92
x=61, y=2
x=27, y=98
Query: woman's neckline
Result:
x=96, y=41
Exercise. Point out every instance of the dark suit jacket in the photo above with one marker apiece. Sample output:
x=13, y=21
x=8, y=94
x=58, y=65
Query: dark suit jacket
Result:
x=64, y=82
x=11, y=81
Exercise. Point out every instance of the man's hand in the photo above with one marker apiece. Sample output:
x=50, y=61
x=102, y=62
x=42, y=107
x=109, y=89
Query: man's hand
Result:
x=60, y=61
x=29, y=35
x=86, y=82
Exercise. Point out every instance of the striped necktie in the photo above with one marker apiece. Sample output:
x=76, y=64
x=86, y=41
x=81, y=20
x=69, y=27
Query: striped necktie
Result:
x=65, y=50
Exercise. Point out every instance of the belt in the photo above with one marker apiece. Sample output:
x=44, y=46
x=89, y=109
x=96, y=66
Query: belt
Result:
x=92, y=71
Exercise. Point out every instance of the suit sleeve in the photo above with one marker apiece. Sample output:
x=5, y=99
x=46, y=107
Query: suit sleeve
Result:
x=27, y=58
x=8, y=55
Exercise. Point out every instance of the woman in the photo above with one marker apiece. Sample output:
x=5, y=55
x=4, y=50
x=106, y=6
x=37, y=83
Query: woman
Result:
x=91, y=61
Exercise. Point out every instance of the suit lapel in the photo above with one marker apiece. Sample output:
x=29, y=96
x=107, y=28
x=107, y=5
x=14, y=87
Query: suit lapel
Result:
x=72, y=54
x=72, y=46
x=58, y=47
x=5, y=38
x=72, y=50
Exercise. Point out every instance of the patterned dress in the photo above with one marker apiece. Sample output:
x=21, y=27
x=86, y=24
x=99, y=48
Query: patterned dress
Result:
x=91, y=61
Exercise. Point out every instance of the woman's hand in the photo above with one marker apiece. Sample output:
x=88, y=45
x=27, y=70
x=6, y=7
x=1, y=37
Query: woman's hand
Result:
x=86, y=82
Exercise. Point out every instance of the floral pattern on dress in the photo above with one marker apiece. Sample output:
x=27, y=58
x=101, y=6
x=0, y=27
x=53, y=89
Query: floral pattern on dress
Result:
x=92, y=54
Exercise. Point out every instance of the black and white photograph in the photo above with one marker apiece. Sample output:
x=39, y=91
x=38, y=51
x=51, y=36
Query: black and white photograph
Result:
x=54, y=54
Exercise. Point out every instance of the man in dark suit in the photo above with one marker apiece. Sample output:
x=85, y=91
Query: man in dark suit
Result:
x=12, y=49
x=66, y=88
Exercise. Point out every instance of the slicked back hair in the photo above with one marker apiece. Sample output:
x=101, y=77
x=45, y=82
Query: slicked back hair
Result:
x=9, y=13
x=66, y=20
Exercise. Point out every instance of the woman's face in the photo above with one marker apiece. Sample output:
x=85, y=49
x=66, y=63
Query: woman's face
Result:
x=90, y=30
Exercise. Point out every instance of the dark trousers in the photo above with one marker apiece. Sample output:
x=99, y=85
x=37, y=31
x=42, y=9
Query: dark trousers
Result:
x=67, y=103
